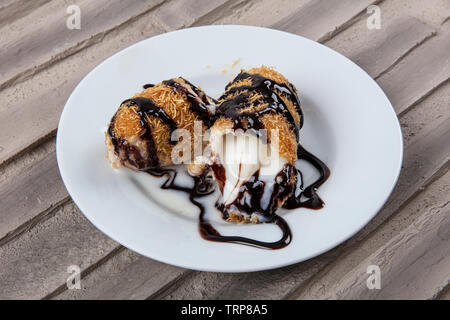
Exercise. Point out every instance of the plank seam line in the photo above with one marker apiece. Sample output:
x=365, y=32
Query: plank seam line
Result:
x=445, y=289
x=41, y=217
x=230, y=5
x=62, y=288
x=32, y=145
x=86, y=43
x=445, y=21
x=398, y=60
x=171, y=286
x=347, y=250
x=14, y=4
x=424, y=96
x=331, y=34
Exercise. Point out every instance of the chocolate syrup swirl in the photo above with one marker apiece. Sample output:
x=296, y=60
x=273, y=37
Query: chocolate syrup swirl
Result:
x=203, y=186
x=251, y=120
x=313, y=201
x=208, y=232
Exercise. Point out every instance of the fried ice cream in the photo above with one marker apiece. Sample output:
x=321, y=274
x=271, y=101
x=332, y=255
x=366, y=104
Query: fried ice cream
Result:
x=140, y=134
x=253, y=144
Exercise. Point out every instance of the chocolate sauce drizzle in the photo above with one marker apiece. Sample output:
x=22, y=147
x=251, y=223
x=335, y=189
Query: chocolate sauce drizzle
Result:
x=131, y=155
x=313, y=201
x=208, y=232
x=251, y=193
x=203, y=186
x=230, y=108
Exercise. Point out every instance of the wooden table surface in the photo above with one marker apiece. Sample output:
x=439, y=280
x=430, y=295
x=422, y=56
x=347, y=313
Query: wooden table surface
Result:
x=42, y=232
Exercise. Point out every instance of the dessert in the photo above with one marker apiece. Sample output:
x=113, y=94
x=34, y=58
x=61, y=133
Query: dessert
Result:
x=140, y=134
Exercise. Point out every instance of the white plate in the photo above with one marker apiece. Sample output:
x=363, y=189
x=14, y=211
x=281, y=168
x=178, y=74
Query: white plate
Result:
x=349, y=124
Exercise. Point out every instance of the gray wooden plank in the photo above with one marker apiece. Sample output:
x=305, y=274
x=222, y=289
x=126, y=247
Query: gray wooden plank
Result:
x=33, y=190
x=11, y=10
x=384, y=49
x=48, y=40
x=414, y=260
x=314, y=19
x=254, y=12
x=420, y=73
x=422, y=161
x=36, y=263
x=426, y=151
x=182, y=13
x=127, y=275
x=6, y=3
